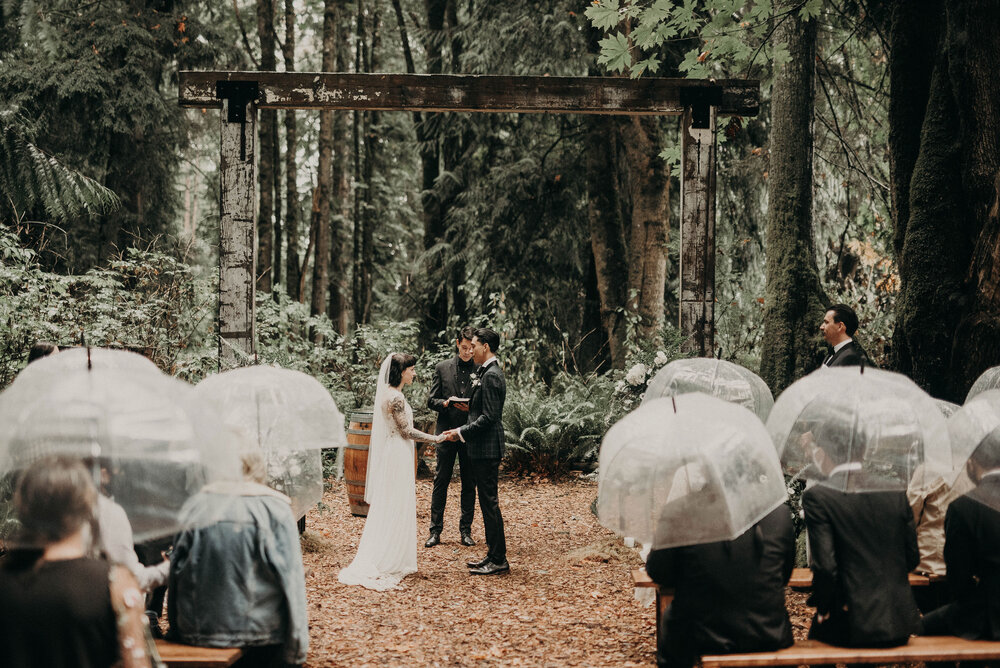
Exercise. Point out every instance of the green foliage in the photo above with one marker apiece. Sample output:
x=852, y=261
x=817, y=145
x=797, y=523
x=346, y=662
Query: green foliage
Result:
x=549, y=429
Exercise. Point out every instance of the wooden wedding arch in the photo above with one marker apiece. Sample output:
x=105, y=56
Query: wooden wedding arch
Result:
x=240, y=94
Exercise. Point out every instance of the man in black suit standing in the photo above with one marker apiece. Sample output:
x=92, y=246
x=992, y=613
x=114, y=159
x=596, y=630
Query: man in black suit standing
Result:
x=484, y=438
x=452, y=381
x=972, y=553
x=729, y=596
x=863, y=544
x=840, y=323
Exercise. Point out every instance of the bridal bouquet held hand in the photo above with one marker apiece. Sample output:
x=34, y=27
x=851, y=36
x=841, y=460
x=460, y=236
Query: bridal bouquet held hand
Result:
x=388, y=549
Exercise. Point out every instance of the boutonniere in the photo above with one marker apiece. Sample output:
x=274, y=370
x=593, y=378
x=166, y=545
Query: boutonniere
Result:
x=475, y=379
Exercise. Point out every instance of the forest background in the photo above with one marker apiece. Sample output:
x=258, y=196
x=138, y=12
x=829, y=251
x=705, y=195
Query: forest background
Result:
x=870, y=177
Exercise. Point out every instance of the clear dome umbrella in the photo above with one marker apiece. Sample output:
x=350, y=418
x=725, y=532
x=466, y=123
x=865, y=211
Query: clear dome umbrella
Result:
x=289, y=415
x=860, y=430
x=976, y=422
x=687, y=470
x=150, y=445
x=946, y=407
x=717, y=378
x=988, y=380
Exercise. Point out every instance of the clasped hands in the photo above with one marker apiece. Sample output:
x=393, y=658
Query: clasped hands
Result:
x=449, y=435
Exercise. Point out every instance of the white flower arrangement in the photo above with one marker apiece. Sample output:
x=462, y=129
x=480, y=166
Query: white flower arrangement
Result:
x=636, y=375
x=660, y=359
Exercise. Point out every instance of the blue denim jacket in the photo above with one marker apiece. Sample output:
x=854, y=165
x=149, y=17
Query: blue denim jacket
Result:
x=236, y=576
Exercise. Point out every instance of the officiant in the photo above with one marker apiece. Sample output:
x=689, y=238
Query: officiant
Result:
x=452, y=383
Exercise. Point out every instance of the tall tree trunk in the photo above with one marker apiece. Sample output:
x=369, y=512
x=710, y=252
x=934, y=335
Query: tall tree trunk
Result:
x=340, y=309
x=607, y=236
x=948, y=312
x=277, y=265
x=648, y=179
x=363, y=314
x=321, y=263
x=794, y=301
x=292, y=211
x=435, y=299
x=265, y=163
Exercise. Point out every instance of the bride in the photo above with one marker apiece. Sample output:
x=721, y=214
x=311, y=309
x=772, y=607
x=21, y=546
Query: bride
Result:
x=388, y=549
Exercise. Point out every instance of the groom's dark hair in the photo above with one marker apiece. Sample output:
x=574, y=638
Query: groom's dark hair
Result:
x=465, y=334
x=400, y=363
x=489, y=337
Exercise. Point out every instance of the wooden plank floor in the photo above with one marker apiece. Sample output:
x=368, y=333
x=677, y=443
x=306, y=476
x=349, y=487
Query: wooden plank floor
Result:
x=176, y=655
x=812, y=652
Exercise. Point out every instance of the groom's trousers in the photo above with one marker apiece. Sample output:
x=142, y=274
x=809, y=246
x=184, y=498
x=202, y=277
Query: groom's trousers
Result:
x=487, y=473
x=446, y=453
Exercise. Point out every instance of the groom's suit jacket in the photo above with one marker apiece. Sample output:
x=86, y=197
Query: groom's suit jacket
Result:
x=483, y=433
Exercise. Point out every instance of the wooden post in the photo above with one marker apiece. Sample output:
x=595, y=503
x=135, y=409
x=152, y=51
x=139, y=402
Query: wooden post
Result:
x=237, y=233
x=697, y=270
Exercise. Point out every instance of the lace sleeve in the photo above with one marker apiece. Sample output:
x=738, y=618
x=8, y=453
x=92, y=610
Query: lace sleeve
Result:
x=397, y=409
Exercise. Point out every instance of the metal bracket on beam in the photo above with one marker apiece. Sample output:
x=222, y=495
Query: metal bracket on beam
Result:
x=239, y=94
x=700, y=100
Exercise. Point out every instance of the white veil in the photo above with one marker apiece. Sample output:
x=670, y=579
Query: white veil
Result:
x=378, y=458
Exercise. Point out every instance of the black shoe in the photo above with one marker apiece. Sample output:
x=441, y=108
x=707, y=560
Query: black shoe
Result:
x=477, y=564
x=433, y=539
x=490, y=569
x=467, y=539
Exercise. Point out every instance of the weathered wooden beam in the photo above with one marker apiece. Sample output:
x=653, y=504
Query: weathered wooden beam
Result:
x=483, y=93
x=237, y=237
x=697, y=266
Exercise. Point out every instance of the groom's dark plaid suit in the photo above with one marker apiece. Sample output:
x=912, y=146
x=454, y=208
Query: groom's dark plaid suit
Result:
x=484, y=438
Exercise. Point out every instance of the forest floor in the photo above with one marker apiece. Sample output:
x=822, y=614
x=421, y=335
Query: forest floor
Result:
x=567, y=601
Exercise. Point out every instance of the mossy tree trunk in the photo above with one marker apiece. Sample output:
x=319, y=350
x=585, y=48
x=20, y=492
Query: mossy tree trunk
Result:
x=794, y=301
x=947, y=228
x=265, y=161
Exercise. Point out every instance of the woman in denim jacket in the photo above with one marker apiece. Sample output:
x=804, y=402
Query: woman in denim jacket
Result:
x=236, y=576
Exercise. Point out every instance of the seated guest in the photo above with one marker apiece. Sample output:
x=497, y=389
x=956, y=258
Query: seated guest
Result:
x=972, y=553
x=57, y=606
x=863, y=545
x=41, y=349
x=236, y=576
x=729, y=596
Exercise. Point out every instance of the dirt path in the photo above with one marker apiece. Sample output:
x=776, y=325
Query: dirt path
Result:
x=559, y=606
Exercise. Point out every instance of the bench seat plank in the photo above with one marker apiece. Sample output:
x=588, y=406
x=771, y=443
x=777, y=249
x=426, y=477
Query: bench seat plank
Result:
x=813, y=652
x=176, y=654
x=801, y=579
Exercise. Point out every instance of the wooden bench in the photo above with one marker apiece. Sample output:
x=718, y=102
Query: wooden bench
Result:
x=176, y=654
x=812, y=652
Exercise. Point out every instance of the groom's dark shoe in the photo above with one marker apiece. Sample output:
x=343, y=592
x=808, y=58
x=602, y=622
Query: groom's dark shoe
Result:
x=433, y=540
x=477, y=564
x=467, y=539
x=490, y=569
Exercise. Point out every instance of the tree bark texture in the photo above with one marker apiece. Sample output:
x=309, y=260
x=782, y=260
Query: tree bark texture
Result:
x=948, y=311
x=794, y=298
x=266, y=165
x=321, y=263
x=340, y=303
x=292, y=211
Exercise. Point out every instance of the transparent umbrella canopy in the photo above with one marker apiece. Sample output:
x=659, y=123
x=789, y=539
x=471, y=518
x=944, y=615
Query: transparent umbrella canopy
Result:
x=988, y=380
x=289, y=415
x=717, y=378
x=946, y=407
x=687, y=470
x=150, y=445
x=877, y=427
x=978, y=420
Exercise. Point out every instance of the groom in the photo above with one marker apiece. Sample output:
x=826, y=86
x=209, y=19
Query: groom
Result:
x=484, y=439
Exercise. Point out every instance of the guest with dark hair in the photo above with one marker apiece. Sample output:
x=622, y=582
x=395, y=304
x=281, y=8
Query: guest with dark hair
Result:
x=449, y=397
x=840, y=324
x=972, y=553
x=863, y=545
x=41, y=349
x=58, y=607
x=729, y=596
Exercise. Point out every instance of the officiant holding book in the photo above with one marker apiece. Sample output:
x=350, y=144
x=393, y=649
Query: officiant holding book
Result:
x=449, y=397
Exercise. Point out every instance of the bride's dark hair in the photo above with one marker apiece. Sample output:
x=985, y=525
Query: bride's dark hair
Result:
x=400, y=363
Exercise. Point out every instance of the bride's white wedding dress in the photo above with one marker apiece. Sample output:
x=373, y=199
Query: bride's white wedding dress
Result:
x=388, y=549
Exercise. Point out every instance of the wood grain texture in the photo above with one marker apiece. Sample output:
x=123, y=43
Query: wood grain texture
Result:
x=485, y=93
x=176, y=655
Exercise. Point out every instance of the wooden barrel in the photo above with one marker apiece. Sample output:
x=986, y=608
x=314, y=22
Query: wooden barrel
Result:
x=359, y=434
